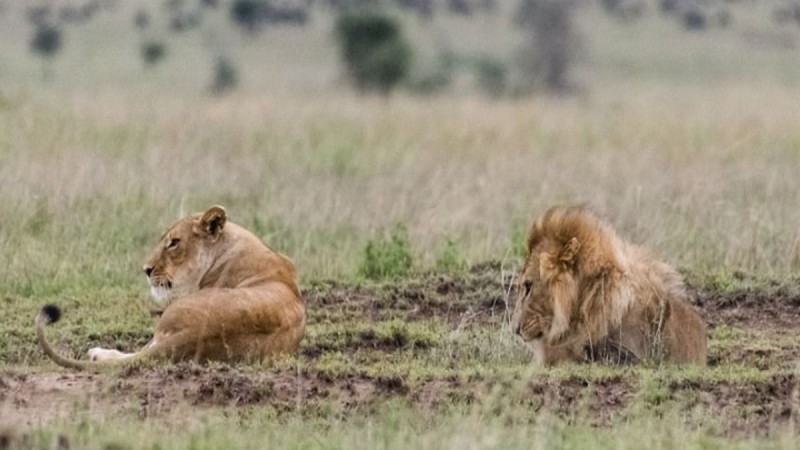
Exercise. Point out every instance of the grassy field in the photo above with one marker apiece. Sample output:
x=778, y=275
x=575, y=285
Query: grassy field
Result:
x=687, y=142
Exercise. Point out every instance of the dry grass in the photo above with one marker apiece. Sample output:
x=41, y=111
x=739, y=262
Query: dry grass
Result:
x=704, y=177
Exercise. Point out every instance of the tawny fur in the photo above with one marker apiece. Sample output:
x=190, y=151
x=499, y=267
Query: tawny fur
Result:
x=587, y=294
x=243, y=303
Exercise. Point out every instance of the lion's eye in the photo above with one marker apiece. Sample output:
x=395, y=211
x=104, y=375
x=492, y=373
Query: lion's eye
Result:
x=528, y=285
x=173, y=243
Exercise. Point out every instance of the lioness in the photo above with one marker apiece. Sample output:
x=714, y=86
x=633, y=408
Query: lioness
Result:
x=585, y=294
x=242, y=302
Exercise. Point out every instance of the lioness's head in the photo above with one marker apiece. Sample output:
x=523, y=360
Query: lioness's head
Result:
x=183, y=255
x=547, y=290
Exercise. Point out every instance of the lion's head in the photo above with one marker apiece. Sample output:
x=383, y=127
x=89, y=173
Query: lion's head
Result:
x=570, y=249
x=547, y=291
x=184, y=253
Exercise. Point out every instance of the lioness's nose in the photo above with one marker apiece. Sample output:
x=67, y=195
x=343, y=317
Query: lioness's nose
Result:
x=148, y=270
x=515, y=327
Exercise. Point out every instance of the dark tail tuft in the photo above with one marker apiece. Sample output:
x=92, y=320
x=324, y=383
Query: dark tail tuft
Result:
x=52, y=313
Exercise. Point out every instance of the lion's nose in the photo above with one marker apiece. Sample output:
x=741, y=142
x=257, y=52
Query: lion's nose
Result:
x=515, y=327
x=148, y=270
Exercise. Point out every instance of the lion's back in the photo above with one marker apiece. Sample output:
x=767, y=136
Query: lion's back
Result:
x=665, y=309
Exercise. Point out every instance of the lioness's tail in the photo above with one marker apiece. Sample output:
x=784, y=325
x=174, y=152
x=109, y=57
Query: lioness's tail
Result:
x=51, y=314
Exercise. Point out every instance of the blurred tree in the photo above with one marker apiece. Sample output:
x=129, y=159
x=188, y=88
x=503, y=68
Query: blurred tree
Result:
x=492, y=76
x=668, y=6
x=552, y=46
x=153, y=52
x=460, y=7
x=247, y=13
x=251, y=15
x=694, y=19
x=423, y=8
x=141, y=20
x=46, y=43
x=624, y=10
x=38, y=15
x=174, y=5
x=788, y=12
x=373, y=48
x=226, y=77
x=184, y=21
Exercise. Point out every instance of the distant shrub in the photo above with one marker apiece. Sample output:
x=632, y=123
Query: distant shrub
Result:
x=387, y=258
x=553, y=45
x=226, y=77
x=787, y=13
x=141, y=20
x=723, y=18
x=247, y=13
x=624, y=10
x=694, y=19
x=153, y=52
x=181, y=22
x=251, y=15
x=423, y=8
x=429, y=83
x=73, y=15
x=450, y=260
x=492, y=76
x=668, y=6
x=460, y=7
x=38, y=15
x=488, y=6
x=374, y=50
x=46, y=40
x=288, y=15
x=433, y=77
x=174, y=5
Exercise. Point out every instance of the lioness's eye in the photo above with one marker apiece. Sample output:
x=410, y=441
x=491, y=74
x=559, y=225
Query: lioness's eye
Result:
x=173, y=243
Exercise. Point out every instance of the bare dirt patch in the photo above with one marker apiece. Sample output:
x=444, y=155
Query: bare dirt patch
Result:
x=166, y=393
x=775, y=308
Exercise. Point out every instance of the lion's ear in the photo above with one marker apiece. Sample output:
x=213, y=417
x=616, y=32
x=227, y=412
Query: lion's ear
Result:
x=547, y=266
x=213, y=221
x=569, y=251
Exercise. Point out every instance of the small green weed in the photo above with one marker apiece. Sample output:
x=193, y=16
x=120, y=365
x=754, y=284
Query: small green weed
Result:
x=450, y=260
x=388, y=258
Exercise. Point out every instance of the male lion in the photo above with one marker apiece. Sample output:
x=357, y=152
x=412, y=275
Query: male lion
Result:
x=585, y=294
x=241, y=304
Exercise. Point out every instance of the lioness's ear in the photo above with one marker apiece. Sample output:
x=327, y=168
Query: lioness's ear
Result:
x=213, y=221
x=569, y=251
